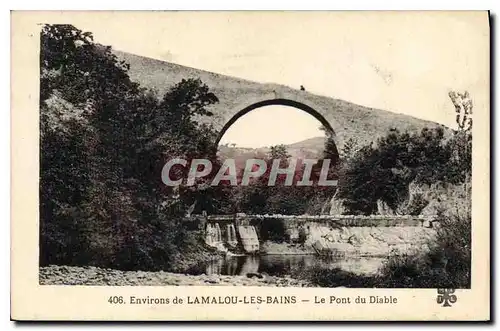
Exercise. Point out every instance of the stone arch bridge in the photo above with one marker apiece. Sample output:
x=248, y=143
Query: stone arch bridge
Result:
x=238, y=96
x=278, y=96
x=343, y=119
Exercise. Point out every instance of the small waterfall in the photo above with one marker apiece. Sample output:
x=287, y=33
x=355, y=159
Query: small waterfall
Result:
x=249, y=238
x=209, y=240
x=218, y=233
x=213, y=236
x=231, y=235
x=233, y=230
x=228, y=232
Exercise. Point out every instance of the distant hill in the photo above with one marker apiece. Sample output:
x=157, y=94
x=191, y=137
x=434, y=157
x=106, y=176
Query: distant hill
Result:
x=307, y=149
x=348, y=119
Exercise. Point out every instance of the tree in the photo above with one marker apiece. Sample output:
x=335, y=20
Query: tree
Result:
x=385, y=171
x=331, y=152
x=279, y=152
x=461, y=143
x=349, y=150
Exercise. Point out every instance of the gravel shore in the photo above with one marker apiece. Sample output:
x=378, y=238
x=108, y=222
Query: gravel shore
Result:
x=67, y=275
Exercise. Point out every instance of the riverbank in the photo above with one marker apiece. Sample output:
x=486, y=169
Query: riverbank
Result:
x=69, y=275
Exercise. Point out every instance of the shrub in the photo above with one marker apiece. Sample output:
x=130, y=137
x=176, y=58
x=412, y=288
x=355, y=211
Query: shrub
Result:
x=326, y=277
x=103, y=143
x=273, y=229
x=454, y=239
x=302, y=236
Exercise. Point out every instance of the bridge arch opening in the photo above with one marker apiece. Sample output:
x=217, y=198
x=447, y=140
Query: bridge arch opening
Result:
x=297, y=106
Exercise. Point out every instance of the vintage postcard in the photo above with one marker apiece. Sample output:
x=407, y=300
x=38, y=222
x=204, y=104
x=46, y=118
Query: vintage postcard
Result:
x=290, y=166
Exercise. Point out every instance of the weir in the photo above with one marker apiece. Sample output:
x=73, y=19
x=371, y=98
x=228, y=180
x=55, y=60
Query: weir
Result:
x=325, y=234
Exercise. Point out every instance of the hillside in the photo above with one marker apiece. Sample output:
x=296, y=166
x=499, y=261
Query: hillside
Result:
x=307, y=149
x=348, y=119
x=316, y=144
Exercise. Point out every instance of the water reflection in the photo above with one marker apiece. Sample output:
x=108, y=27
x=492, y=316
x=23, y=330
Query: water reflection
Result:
x=281, y=265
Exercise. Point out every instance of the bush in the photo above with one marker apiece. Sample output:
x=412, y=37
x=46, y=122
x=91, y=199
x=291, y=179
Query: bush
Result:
x=302, y=236
x=103, y=143
x=454, y=239
x=446, y=265
x=326, y=277
x=385, y=171
x=409, y=271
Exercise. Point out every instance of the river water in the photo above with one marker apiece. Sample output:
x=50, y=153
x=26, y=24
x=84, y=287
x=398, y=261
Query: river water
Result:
x=283, y=265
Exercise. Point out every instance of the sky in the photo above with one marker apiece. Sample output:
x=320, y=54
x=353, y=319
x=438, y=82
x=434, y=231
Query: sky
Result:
x=270, y=132
x=401, y=62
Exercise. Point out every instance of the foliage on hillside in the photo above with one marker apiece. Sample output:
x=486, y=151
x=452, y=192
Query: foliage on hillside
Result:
x=347, y=119
x=104, y=141
x=386, y=170
x=285, y=198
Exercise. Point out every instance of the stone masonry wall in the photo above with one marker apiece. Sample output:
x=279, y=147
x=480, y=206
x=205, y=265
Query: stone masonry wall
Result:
x=374, y=235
